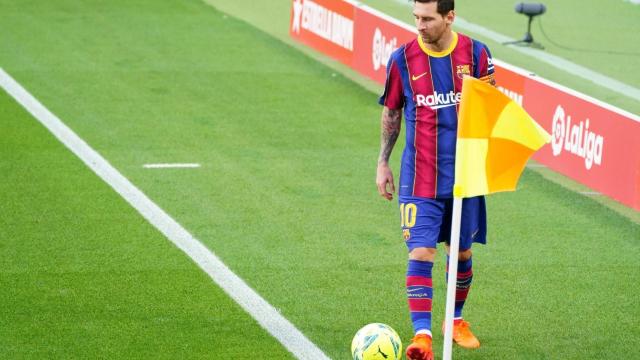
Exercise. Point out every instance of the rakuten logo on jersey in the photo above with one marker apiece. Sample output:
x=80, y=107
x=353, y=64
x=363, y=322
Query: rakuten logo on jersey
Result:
x=323, y=22
x=382, y=49
x=576, y=139
x=437, y=100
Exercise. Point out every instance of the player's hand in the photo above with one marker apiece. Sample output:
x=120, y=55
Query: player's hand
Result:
x=384, y=177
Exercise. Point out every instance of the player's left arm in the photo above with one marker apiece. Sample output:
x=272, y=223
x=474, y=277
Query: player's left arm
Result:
x=484, y=64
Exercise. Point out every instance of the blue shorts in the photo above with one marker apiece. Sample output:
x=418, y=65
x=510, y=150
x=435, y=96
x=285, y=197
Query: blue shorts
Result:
x=426, y=222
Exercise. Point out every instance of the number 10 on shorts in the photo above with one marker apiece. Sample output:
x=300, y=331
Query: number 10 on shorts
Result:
x=408, y=214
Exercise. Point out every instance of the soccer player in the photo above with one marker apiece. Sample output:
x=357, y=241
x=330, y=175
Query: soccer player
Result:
x=424, y=80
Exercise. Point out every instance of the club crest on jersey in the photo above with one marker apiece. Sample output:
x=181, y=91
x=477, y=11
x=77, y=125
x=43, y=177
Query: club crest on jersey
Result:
x=406, y=234
x=462, y=70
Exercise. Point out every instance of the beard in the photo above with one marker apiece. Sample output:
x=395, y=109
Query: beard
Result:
x=432, y=37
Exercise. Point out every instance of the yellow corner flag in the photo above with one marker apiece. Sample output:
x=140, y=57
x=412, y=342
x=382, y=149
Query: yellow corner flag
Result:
x=496, y=137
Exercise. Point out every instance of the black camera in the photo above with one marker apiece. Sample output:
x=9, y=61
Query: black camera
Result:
x=530, y=9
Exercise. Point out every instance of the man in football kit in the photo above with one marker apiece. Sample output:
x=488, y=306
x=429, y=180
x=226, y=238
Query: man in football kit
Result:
x=424, y=80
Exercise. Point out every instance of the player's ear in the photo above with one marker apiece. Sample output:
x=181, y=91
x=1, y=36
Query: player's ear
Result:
x=451, y=15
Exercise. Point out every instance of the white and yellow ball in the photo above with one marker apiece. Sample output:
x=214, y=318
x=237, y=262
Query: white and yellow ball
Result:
x=376, y=342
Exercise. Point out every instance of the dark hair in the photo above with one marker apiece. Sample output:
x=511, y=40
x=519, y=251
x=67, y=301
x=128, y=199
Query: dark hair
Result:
x=444, y=6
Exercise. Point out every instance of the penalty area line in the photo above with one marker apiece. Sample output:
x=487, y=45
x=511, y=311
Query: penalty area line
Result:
x=171, y=166
x=265, y=314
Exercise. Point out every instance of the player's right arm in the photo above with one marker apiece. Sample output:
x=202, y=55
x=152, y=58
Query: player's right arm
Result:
x=389, y=131
x=393, y=101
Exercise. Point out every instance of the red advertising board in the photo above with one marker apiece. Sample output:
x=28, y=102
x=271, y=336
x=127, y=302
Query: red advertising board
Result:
x=593, y=142
x=325, y=25
x=375, y=40
x=510, y=82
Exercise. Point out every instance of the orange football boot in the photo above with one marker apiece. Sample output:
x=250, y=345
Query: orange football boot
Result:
x=462, y=335
x=420, y=348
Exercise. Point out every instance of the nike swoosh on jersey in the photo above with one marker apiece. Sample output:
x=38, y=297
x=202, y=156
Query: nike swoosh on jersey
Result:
x=416, y=77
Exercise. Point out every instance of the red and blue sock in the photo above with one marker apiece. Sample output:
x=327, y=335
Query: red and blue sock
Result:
x=463, y=284
x=419, y=294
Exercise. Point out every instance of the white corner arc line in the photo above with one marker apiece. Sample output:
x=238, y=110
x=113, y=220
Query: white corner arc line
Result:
x=265, y=314
x=171, y=166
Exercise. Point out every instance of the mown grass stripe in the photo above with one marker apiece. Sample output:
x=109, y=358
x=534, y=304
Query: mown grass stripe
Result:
x=268, y=317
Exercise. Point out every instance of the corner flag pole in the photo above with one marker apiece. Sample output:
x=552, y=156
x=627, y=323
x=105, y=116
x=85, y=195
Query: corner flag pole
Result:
x=454, y=247
x=485, y=114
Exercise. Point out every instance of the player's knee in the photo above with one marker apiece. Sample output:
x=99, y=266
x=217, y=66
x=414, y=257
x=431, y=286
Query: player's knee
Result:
x=464, y=255
x=423, y=254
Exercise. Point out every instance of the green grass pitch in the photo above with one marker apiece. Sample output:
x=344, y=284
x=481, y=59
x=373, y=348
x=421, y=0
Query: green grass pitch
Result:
x=600, y=35
x=285, y=196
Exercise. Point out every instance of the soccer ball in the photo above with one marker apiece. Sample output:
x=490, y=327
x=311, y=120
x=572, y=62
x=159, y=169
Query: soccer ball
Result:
x=376, y=342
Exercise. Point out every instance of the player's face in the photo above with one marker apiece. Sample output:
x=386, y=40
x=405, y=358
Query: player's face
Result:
x=430, y=24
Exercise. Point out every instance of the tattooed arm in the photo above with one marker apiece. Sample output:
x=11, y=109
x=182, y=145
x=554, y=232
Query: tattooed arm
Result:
x=390, y=129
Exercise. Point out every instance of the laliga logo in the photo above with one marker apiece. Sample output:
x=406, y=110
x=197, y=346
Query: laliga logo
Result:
x=576, y=139
x=381, y=49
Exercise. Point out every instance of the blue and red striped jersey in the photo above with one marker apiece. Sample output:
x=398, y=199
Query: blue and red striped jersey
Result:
x=428, y=86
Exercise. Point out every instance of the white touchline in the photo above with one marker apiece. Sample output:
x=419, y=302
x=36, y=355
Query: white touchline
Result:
x=553, y=60
x=265, y=314
x=169, y=166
